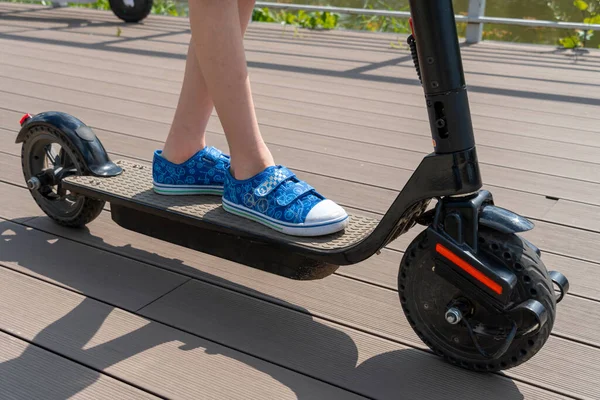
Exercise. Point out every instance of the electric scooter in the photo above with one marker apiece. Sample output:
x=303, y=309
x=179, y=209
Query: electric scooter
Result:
x=472, y=289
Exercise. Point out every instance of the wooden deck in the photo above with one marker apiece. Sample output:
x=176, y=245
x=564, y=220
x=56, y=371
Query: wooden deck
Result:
x=103, y=313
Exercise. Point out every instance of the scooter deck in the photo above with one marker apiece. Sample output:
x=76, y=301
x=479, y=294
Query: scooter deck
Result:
x=135, y=206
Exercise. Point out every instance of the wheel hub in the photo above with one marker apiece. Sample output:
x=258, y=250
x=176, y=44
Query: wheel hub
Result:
x=453, y=316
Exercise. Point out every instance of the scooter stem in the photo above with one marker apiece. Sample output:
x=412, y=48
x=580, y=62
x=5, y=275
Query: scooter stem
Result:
x=442, y=75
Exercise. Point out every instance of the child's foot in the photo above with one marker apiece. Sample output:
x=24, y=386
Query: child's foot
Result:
x=279, y=200
x=203, y=173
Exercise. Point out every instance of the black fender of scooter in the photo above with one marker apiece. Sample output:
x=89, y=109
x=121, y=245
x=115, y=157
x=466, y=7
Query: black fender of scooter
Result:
x=79, y=135
x=504, y=220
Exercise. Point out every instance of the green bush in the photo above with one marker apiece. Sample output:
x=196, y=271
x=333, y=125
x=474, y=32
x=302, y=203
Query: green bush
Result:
x=376, y=23
x=328, y=20
x=590, y=12
x=301, y=19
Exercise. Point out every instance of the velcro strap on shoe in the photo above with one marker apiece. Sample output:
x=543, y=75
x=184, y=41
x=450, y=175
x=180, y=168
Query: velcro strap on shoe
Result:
x=212, y=155
x=273, y=181
x=291, y=193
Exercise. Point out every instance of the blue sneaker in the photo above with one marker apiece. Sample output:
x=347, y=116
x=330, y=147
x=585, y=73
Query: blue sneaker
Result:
x=279, y=200
x=203, y=173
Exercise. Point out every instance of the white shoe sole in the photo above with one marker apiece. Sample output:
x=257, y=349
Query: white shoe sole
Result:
x=317, y=229
x=183, y=190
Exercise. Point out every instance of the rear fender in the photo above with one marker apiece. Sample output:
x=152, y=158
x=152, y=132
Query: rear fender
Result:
x=79, y=135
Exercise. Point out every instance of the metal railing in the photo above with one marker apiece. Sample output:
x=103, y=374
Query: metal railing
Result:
x=475, y=18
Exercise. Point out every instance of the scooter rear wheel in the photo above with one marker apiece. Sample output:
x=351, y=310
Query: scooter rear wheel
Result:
x=425, y=297
x=46, y=150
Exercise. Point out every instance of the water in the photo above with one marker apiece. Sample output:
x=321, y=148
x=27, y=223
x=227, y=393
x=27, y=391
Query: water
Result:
x=537, y=9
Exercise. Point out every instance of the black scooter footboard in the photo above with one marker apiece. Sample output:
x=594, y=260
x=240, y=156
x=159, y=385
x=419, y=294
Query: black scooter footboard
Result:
x=268, y=257
x=201, y=223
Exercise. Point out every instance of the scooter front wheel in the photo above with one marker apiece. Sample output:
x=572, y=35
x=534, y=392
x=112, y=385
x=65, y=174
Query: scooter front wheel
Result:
x=47, y=157
x=478, y=338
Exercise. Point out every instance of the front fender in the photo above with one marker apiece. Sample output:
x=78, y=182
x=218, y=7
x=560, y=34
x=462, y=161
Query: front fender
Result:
x=79, y=135
x=504, y=220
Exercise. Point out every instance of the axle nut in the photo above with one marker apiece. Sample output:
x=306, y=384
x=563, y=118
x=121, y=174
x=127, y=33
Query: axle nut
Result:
x=453, y=316
x=34, y=183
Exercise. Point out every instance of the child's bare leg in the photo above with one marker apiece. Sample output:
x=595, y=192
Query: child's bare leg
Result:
x=187, y=133
x=216, y=29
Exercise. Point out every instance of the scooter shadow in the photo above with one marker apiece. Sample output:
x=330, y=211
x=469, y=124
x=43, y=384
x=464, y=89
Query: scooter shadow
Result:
x=268, y=333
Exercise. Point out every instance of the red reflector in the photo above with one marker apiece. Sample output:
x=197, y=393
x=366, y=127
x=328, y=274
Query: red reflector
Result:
x=468, y=268
x=24, y=119
x=412, y=28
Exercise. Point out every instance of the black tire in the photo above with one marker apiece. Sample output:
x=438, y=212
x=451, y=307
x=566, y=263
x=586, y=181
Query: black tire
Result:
x=78, y=210
x=424, y=296
x=138, y=12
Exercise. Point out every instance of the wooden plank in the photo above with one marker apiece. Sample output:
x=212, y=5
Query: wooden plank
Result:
x=6, y=144
x=62, y=22
x=389, y=122
x=21, y=210
x=124, y=56
x=518, y=123
x=360, y=88
x=525, y=51
x=581, y=215
x=550, y=73
x=565, y=241
x=107, y=104
x=282, y=78
x=533, y=50
x=403, y=69
x=268, y=329
x=412, y=140
x=29, y=372
x=182, y=36
x=10, y=170
x=123, y=79
x=473, y=63
x=300, y=93
x=86, y=83
x=313, y=50
x=84, y=269
x=578, y=319
x=152, y=356
x=476, y=64
x=370, y=40
x=160, y=46
x=551, y=90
